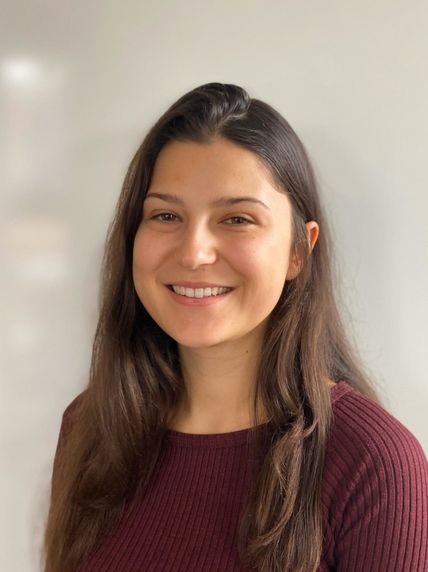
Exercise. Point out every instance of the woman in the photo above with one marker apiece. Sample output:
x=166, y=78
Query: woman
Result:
x=227, y=424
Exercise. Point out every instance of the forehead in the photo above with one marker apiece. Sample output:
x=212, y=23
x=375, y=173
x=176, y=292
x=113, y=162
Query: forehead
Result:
x=216, y=167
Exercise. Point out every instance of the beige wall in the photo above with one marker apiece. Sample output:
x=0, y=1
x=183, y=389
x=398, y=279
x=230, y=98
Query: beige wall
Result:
x=80, y=85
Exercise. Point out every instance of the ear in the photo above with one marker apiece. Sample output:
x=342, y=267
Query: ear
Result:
x=295, y=265
x=313, y=231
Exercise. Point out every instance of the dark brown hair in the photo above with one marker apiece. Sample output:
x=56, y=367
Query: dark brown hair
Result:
x=113, y=433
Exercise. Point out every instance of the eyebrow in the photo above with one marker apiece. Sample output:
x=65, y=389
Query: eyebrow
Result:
x=221, y=201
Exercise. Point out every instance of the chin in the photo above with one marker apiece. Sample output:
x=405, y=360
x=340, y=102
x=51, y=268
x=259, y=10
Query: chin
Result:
x=197, y=342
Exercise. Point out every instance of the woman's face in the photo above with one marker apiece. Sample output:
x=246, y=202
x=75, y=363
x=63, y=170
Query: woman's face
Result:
x=211, y=215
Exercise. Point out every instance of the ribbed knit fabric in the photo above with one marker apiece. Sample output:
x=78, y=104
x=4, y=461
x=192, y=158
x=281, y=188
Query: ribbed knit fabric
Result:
x=374, y=500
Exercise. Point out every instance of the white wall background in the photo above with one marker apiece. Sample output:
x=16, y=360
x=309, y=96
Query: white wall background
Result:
x=80, y=83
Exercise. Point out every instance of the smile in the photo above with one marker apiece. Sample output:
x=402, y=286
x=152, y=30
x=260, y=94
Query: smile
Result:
x=195, y=298
x=199, y=292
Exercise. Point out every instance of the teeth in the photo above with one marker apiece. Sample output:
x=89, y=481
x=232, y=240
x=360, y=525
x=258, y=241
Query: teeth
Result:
x=200, y=292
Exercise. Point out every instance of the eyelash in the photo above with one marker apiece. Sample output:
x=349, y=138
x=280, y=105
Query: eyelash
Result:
x=247, y=221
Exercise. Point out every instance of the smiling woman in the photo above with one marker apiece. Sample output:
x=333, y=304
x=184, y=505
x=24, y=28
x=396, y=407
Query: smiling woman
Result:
x=227, y=424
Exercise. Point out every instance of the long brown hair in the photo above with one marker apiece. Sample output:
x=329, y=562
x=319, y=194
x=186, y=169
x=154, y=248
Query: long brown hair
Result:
x=112, y=435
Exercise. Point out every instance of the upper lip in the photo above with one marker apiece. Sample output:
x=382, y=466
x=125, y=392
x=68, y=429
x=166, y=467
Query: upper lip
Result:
x=188, y=284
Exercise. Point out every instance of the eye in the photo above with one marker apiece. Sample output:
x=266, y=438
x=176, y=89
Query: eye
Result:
x=156, y=217
x=241, y=218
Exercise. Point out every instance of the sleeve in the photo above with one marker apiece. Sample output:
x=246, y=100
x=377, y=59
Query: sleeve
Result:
x=384, y=523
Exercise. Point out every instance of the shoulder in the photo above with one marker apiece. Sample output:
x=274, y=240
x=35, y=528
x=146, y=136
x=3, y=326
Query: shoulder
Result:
x=69, y=413
x=362, y=428
x=375, y=488
x=66, y=424
x=74, y=404
x=67, y=420
x=375, y=482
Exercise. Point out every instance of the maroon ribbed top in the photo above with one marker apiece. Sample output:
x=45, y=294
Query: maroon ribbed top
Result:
x=374, y=500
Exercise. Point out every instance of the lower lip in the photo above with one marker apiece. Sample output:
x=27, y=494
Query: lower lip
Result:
x=186, y=301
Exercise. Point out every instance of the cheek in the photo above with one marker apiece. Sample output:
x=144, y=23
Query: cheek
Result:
x=267, y=260
x=269, y=270
x=145, y=254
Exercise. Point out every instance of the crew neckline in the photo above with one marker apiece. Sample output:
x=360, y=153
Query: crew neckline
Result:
x=240, y=436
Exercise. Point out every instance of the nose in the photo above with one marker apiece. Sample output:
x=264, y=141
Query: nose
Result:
x=197, y=247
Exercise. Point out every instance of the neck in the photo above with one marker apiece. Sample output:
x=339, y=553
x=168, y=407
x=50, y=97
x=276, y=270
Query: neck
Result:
x=219, y=387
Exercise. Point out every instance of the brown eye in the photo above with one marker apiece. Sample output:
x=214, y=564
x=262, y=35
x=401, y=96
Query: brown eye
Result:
x=162, y=215
x=241, y=218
